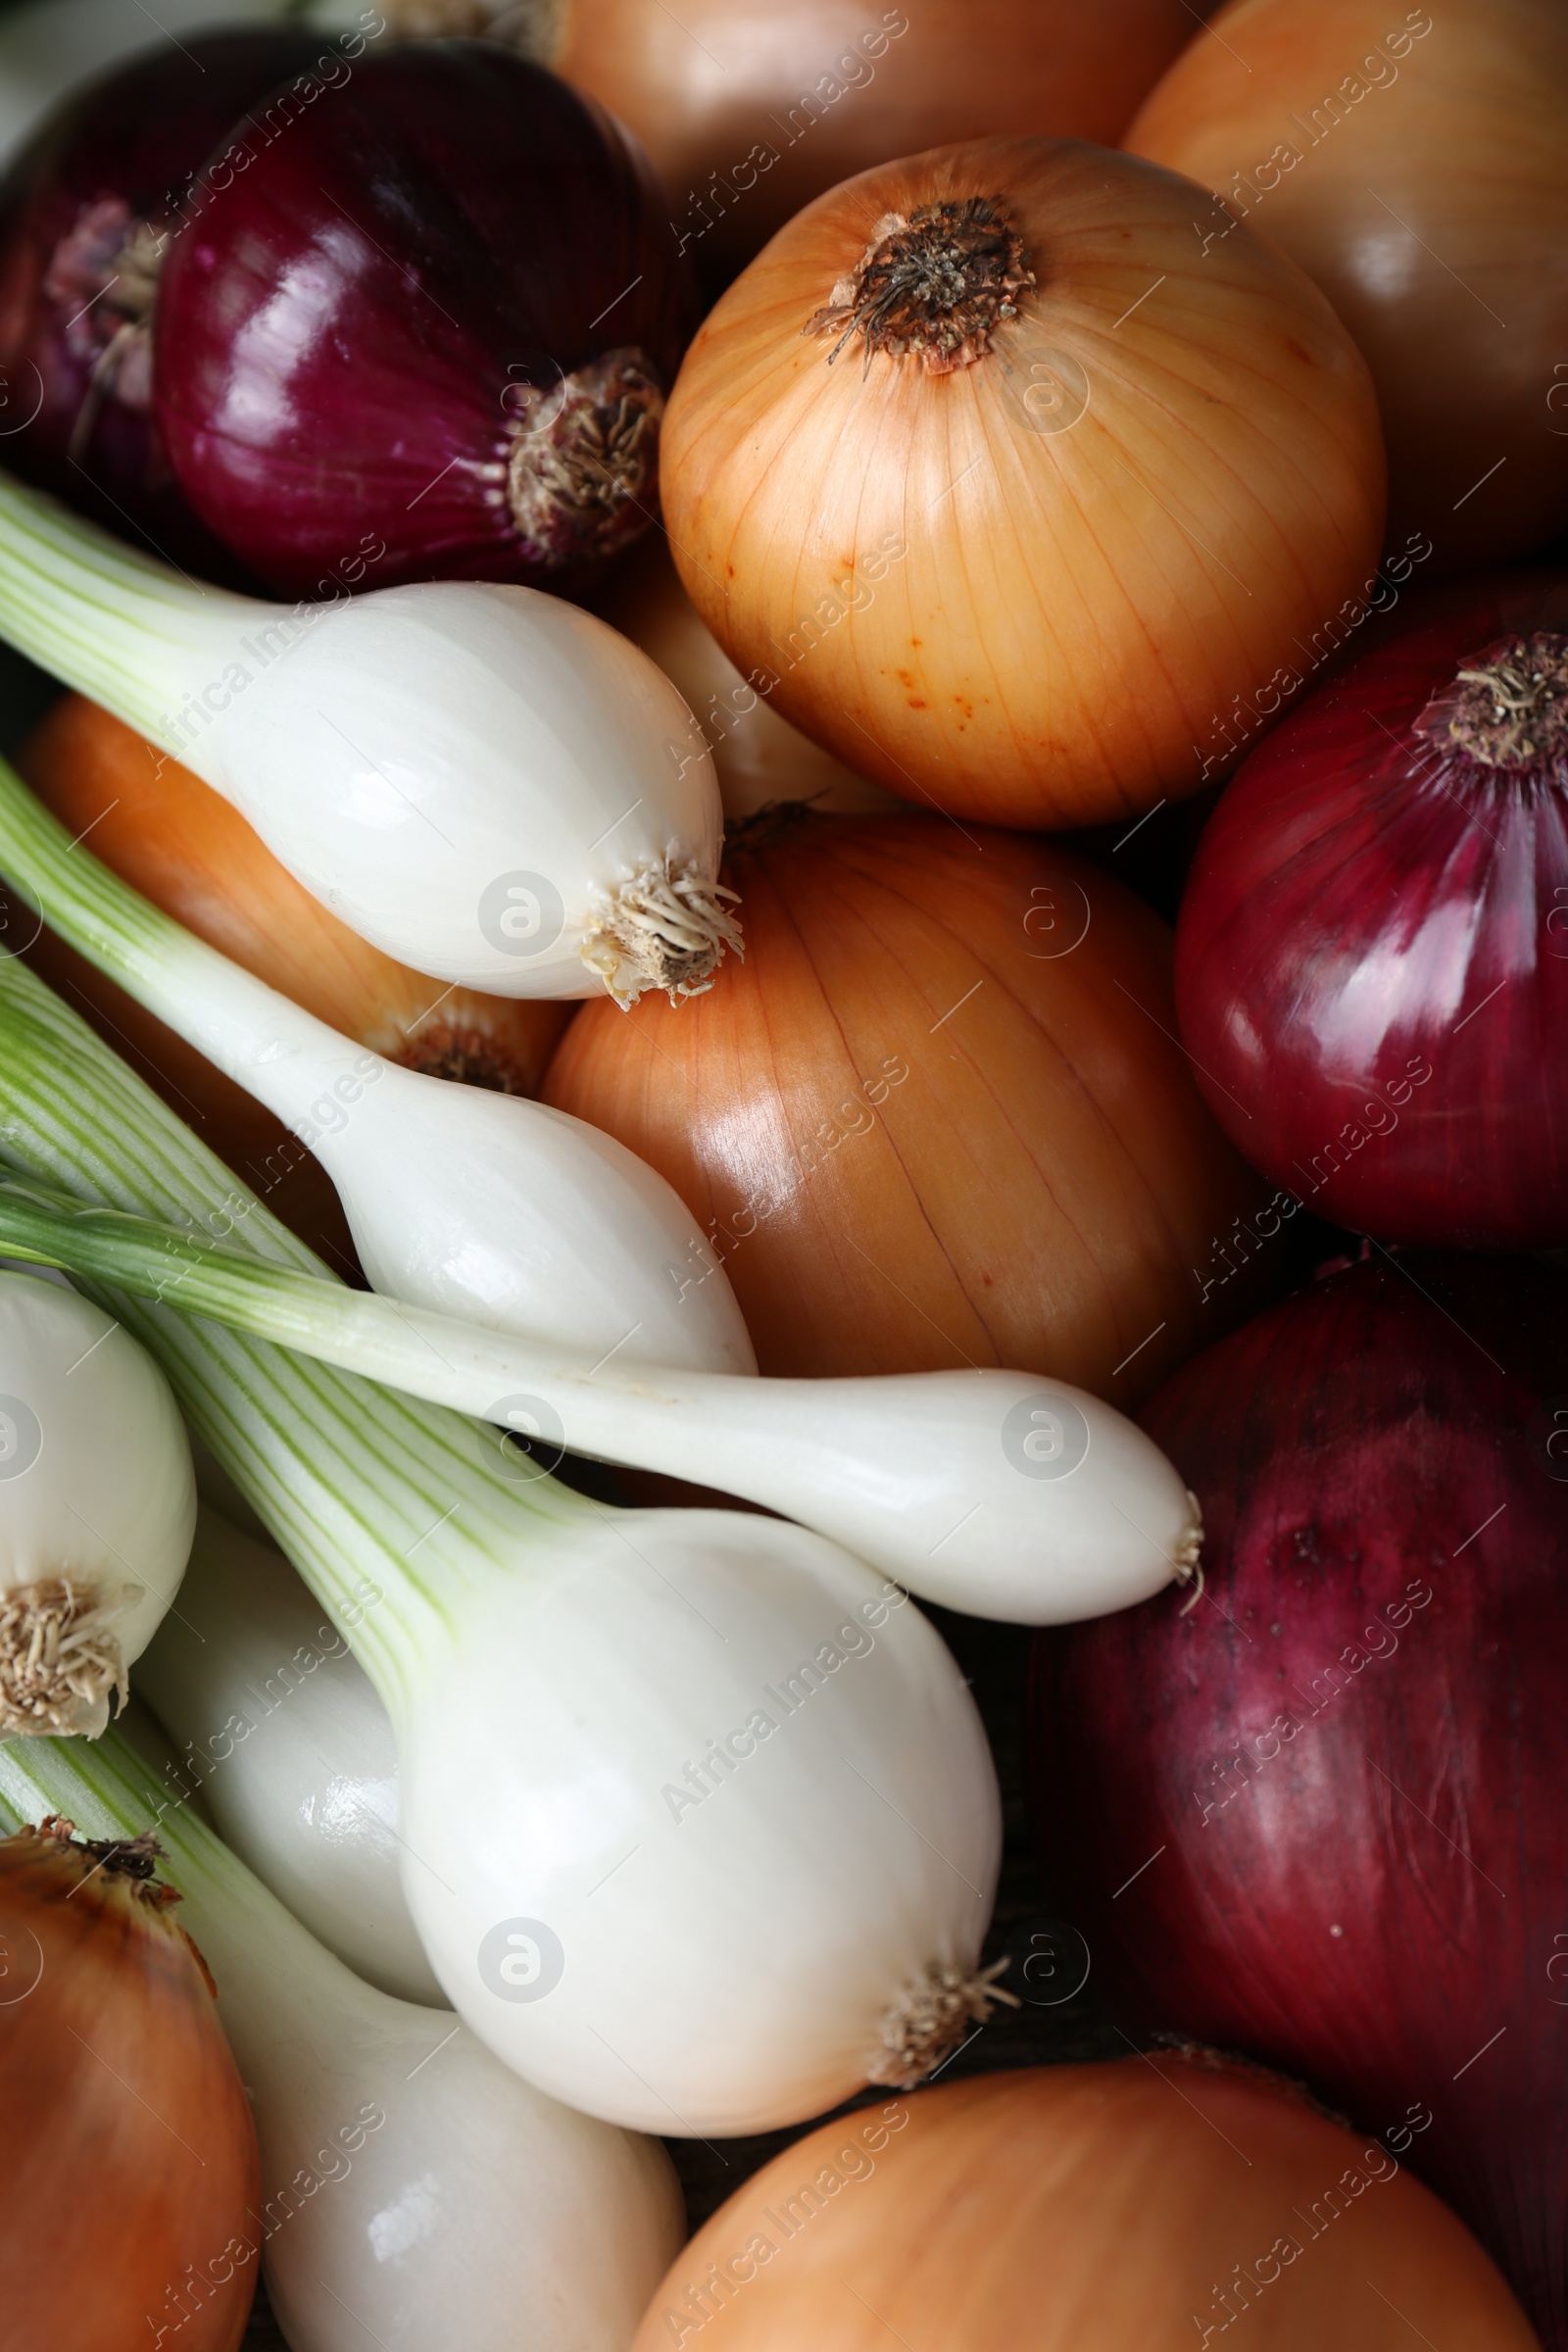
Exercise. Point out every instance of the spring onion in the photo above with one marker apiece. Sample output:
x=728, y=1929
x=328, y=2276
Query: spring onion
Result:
x=485, y=781
x=412, y=2192
x=283, y=1735
x=480, y=1203
x=991, y=1491
x=701, y=1827
x=98, y=1507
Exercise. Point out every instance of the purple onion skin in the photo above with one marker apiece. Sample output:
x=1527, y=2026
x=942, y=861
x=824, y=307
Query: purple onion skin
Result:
x=120, y=150
x=1369, y=1899
x=1372, y=958
x=347, y=338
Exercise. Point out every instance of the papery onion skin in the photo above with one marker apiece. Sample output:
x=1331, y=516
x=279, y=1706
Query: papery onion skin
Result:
x=808, y=91
x=388, y=310
x=1372, y=955
x=758, y=757
x=1082, y=2209
x=1429, y=202
x=1023, y=1173
x=174, y=839
x=129, y=2170
x=119, y=153
x=1375, y=1899
x=1030, y=614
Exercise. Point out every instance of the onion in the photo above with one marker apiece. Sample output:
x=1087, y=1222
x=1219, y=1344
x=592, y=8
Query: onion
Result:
x=1372, y=955
x=1321, y=1818
x=83, y=211
x=938, y=1117
x=1094, y=2207
x=750, y=108
x=758, y=756
x=129, y=2154
x=1009, y=549
x=175, y=841
x=97, y=1508
x=440, y=311
x=1417, y=167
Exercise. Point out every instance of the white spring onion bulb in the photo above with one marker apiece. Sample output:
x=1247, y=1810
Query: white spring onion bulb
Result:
x=477, y=1203
x=702, y=1828
x=97, y=1505
x=414, y=2192
x=485, y=781
x=996, y=1493
x=280, y=1730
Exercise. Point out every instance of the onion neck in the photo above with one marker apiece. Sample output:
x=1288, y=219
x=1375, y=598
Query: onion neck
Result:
x=582, y=476
x=120, y=628
x=1506, y=709
x=933, y=285
x=60, y=1656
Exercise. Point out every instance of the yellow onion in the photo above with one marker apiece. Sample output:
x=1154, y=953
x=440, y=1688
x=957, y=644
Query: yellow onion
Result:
x=758, y=756
x=127, y=2158
x=1415, y=163
x=999, y=487
x=174, y=840
x=1147, y=2203
x=750, y=108
x=938, y=1117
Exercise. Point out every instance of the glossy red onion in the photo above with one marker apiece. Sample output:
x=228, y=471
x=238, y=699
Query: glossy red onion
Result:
x=1321, y=1817
x=435, y=316
x=1372, y=955
x=81, y=213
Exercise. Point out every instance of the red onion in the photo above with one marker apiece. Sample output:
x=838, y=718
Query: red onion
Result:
x=82, y=214
x=442, y=309
x=1321, y=1816
x=1372, y=955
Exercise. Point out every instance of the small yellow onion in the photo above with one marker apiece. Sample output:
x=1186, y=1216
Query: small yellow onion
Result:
x=1415, y=162
x=999, y=487
x=1139, y=2206
x=129, y=2170
x=939, y=1115
x=758, y=756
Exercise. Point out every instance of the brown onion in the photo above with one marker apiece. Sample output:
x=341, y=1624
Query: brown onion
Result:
x=1148, y=2205
x=750, y=108
x=1415, y=164
x=175, y=841
x=939, y=1116
x=129, y=2170
x=999, y=488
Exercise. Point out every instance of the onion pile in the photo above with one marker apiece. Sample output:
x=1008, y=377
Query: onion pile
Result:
x=128, y=2172
x=1415, y=164
x=431, y=325
x=1318, y=1818
x=1091, y=2207
x=1372, y=955
x=938, y=1117
x=999, y=488
x=86, y=211
x=163, y=830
